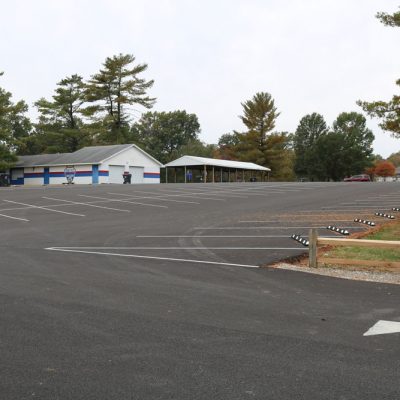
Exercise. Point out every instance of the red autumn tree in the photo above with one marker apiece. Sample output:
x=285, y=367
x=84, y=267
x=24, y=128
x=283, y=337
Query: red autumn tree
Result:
x=385, y=169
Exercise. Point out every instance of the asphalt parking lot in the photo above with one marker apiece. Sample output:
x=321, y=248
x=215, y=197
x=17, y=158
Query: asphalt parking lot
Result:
x=154, y=292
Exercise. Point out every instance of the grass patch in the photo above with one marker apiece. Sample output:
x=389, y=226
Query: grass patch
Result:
x=365, y=253
x=391, y=231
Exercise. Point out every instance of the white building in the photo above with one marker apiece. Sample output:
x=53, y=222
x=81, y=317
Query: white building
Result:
x=95, y=164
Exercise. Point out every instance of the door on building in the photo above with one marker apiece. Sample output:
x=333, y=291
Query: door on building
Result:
x=137, y=174
x=115, y=173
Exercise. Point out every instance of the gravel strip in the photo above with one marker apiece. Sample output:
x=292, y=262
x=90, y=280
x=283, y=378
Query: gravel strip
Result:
x=370, y=276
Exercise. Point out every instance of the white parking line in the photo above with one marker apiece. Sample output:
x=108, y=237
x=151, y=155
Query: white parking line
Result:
x=232, y=193
x=361, y=207
x=182, y=195
x=85, y=204
x=44, y=208
x=271, y=222
x=271, y=227
x=360, y=210
x=222, y=236
x=19, y=219
x=123, y=201
x=182, y=248
x=211, y=192
x=153, y=258
x=159, y=198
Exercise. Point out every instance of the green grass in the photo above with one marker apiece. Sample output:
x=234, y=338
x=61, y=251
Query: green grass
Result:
x=365, y=253
x=389, y=232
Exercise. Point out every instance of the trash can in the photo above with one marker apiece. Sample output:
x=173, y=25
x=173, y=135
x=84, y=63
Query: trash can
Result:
x=127, y=177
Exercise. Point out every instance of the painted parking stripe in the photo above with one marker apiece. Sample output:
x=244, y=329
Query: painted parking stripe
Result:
x=362, y=207
x=44, y=208
x=213, y=193
x=223, y=236
x=19, y=219
x=85, y=204
x=159, y=198
x=180, y=248
x=228, y=193
x=270, y=227
x=279, y=222
x=152, y=257
x=123, y=201
x=181, y=195
x=195, y=195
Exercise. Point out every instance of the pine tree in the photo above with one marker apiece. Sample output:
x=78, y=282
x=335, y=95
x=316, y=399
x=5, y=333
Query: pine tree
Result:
x=14, y=126
x=310, y=128
x=112, y=91
x=387, y=111
x=389, y=19
x=259, y=116
x=60, y=127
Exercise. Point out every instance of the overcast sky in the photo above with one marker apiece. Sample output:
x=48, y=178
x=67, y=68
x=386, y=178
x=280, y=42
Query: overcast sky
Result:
x=209, y=56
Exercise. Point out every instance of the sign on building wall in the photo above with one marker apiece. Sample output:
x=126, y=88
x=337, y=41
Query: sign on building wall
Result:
x=69, y=173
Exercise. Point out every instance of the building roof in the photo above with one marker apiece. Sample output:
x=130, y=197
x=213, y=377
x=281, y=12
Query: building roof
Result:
x=86, y=155
x=191, y=161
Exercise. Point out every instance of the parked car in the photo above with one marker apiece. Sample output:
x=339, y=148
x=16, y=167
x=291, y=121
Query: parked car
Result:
x=358, y=178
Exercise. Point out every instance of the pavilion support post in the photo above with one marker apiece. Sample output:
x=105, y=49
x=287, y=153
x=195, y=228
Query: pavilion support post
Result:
x=243, y=175
x=175, y=173
x=213, y=176
x=236, y=175
x=221, y=175
x=205, y=174
x=166, y=174
x=229, y=175
x=185, y=174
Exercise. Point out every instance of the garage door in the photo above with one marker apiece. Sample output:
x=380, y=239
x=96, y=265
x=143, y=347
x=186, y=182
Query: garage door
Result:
x=115, y=174
x=137, y=174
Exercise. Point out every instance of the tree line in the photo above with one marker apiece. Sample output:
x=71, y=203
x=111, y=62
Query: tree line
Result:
x=101, y=110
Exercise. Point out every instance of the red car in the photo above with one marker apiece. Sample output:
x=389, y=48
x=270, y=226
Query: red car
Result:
x=358, y=178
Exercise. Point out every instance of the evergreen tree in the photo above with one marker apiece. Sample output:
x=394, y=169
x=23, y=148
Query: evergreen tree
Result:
x=280, y=156
x=259, y=117
x=389, y=19
x=14, y=126
x=310, y=128
x=226, y=148
x=60, y=127
x=346, y=150
x=112, y=91
x=329, y=151
x=387, y=111
x=358, y=141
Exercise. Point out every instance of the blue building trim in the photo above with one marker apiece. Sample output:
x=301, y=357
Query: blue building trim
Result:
x=46, y=179
x=18, y=181
x=95, y=173
x=33, y=175
x=154, y=175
